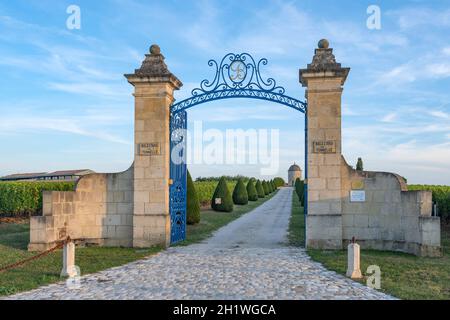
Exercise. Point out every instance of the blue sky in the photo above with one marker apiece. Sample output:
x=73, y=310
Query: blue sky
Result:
x=65, y=103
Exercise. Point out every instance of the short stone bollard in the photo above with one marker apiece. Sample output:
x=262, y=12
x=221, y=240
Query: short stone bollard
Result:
x=353, y=260
x=69, y=269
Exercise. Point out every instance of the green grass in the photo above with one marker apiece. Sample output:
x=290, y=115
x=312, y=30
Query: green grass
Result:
x=297, y=224
x=211, y=220
x=402, y=275
x=13, y=247
x=14, y=239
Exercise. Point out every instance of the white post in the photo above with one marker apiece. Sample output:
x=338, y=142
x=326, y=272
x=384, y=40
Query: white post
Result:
x=353, y=259
x=69, y=269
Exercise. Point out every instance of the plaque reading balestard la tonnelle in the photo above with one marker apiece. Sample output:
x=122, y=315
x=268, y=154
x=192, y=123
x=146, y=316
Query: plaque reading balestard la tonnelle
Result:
x=324, y=146
x=149, y=149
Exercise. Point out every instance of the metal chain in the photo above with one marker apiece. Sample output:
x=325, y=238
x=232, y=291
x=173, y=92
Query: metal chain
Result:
x=60, y=244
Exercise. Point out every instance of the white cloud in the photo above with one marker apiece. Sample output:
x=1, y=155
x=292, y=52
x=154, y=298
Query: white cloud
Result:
x=90, y=88
x=419, y=16
x=390, y=117
x=71, y=125
x=438, y=70
x=439, y=114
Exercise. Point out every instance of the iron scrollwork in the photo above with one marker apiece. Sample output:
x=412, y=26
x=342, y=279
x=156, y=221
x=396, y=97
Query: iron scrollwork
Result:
x=238, y=76
x=238, y=71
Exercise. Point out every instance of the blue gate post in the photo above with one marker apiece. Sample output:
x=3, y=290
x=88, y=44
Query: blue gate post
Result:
x=178, y=176
x=305, y=192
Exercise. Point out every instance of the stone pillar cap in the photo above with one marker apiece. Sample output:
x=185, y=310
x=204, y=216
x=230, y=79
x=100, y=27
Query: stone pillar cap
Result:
x=153, y=69
x=323, y=65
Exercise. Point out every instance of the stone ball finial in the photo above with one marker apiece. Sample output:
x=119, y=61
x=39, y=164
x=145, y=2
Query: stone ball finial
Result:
x=155, y=49
x=323, y=44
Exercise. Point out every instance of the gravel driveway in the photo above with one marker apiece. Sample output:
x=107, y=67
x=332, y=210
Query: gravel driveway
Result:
x=247, y=259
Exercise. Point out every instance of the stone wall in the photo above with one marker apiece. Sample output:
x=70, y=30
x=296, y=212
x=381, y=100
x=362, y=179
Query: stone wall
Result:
x=131, y=208
x=391, y=217
x=100, y=210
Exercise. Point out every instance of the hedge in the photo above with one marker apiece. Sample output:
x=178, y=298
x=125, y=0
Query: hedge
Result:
x=25, y=198
x=279, y=182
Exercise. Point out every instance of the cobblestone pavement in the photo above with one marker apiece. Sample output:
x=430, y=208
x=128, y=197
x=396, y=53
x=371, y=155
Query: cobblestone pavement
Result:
x=247, y=259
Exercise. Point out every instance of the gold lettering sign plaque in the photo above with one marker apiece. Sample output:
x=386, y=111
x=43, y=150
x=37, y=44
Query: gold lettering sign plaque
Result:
x=324, y=146
x=149, y=149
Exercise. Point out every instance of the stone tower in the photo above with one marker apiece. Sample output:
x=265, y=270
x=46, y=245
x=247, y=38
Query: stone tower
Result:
x=294, y=172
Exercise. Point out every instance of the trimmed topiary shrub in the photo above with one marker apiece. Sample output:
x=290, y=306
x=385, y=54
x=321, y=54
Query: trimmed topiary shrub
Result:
x=299, y=189
x=192, y=202
x=260, y=189
x=240, y=195
x=271, y=188
x=265, y=187
x=279, y=182
x=251, y=191
x=274, y=187
x=221, y=200
x=359, y=165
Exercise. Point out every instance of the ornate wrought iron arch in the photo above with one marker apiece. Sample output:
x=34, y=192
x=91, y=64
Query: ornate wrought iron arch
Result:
x=238, y=76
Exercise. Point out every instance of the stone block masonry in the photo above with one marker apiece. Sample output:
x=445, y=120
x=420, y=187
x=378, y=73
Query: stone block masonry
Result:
x=129, y=209
x=386, y=216
x=100, y=210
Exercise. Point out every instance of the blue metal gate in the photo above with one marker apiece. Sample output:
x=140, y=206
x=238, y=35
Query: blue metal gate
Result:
x=237, y=76
x=177, y=191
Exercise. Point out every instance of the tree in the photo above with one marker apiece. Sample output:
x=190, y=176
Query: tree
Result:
x=221, y=200
x=192, y=202
x=359, y=165
x=240, y=195
x=251, y=191
x=265, y=187
x=260, y=189
x=279, y=182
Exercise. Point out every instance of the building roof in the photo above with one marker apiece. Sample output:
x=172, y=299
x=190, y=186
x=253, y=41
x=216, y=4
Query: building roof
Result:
x=23, y=176
x=68, y=172
x=36, y=175
x=294, y=167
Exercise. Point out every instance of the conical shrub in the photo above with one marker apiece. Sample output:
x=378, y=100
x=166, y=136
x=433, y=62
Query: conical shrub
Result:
x=192, y=202
x=265, y=187
x=269, y=183
x=221, y=200
x=260, y=189
x=251, y=190
x=273, y=185
x=240, y=195
x=299, y=189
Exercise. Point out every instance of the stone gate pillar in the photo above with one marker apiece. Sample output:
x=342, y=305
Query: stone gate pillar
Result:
x=324, y=79
x=153, y=85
